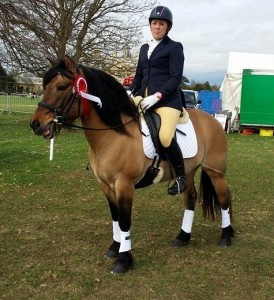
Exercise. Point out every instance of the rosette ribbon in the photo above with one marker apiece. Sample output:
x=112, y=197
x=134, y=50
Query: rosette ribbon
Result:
x=80, y=88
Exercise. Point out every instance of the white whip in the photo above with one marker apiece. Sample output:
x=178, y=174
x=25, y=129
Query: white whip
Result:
x=51, y=149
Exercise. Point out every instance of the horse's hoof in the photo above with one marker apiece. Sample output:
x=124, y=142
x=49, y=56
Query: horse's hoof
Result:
x=113, y=250
x=179, y=243
x=123, y=263
x=181, y=240
x=227, y=234
x=224, y=242
x=111, y=254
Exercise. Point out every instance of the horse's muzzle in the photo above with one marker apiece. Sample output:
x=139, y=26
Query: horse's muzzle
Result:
x=47, y=131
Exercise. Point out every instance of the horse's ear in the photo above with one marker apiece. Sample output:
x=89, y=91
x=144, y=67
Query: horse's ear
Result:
x=51, y=62
x=70, y=64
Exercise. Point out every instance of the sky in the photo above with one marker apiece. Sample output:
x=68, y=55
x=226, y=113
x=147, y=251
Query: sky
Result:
x=210, y=29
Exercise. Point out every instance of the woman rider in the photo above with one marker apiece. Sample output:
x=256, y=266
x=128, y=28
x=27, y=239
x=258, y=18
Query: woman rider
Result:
x=158, y=76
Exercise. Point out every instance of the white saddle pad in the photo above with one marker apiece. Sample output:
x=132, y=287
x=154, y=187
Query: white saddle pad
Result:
x=187, y=142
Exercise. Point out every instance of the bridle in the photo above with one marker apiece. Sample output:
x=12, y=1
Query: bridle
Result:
x=60, y=113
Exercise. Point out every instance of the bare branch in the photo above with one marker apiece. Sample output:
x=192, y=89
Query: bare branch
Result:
x=95, y=32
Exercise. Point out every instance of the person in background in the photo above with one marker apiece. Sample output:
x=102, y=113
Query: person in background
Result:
x=157, y=78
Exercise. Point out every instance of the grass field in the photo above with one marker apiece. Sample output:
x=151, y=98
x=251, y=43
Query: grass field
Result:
x=55, y=226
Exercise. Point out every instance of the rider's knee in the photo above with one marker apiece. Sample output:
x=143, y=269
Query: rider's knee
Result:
x=165, y=140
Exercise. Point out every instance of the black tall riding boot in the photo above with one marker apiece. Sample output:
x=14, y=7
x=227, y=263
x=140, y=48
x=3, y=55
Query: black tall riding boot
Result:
x=175, y=156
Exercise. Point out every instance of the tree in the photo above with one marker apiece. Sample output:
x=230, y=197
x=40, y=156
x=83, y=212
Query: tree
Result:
x=3, y=73
x=184, y=83
x=91, y=32
x=198, y=86
x=6, y=80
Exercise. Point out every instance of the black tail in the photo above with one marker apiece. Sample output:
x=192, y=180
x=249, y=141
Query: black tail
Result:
x=207, y=194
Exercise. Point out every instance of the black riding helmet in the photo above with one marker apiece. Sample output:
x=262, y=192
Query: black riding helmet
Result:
x=161, y=13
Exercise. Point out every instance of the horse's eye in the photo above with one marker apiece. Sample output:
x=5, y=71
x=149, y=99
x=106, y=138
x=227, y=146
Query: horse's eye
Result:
x=62, y=87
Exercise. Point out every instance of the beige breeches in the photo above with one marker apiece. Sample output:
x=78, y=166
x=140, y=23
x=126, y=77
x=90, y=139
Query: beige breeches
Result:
x=169, y=120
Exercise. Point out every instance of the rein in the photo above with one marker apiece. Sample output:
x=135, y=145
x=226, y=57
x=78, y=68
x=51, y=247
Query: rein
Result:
x=108, y=128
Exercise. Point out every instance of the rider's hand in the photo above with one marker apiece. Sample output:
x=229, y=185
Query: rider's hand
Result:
x=149, y=101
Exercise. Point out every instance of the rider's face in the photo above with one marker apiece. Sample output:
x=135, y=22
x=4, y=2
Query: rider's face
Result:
x=158, y=28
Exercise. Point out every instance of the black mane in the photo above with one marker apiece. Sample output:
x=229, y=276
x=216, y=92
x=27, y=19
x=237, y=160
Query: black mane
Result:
x=112, y=94
x=114, y=97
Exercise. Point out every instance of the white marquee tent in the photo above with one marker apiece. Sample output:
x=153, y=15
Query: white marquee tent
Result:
x=232, y=84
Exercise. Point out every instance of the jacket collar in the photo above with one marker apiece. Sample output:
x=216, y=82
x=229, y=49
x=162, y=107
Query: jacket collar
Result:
x=162, y=44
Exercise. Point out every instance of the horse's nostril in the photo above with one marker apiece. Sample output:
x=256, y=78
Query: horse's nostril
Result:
x=34, y=125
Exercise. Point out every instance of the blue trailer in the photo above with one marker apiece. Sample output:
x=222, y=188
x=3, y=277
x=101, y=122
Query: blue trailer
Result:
x=211, y=101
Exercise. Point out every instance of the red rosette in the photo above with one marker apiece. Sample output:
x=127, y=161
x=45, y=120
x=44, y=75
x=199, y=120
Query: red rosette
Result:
x=80, y=85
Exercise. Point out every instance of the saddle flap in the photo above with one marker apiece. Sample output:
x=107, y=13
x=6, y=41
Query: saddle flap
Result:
x=153, y=121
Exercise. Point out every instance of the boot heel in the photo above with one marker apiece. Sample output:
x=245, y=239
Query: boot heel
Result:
x=178, y=187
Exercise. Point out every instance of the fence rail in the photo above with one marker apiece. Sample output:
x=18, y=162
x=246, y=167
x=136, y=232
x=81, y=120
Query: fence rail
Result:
x=23, y=103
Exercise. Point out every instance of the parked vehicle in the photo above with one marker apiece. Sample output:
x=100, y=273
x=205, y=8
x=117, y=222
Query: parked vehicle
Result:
x=192, y=98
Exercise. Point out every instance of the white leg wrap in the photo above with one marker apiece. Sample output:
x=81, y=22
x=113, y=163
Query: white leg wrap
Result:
x=116, y=231
x=225, y=218
x=187, y=220
x=125, y=241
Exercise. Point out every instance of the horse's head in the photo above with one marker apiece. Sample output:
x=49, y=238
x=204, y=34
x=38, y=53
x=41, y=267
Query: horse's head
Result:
x=67, y=96
x=60, y=103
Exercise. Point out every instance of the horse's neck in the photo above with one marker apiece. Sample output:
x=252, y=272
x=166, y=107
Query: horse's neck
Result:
x=100, y=136
x=94, y=125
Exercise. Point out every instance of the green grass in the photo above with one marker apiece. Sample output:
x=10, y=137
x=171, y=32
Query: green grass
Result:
x=55, y=226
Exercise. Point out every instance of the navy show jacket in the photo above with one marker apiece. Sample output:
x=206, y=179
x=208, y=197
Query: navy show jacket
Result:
x=161, y=73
